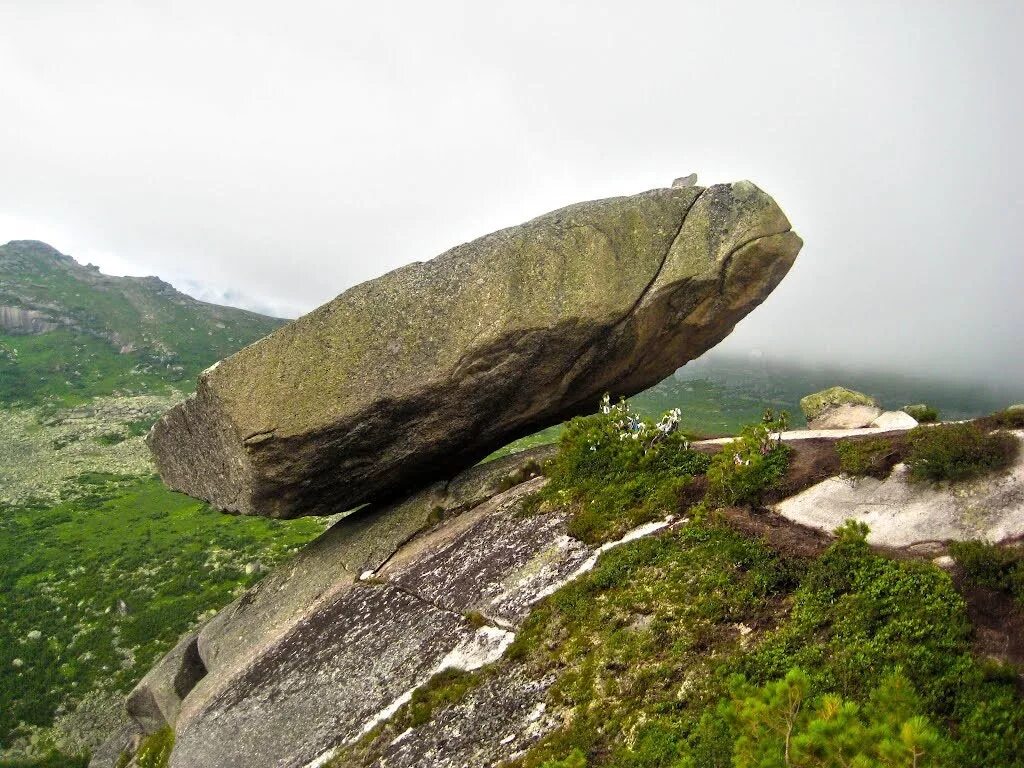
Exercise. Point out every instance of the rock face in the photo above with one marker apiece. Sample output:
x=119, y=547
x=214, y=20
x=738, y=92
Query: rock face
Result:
x=348, y=553
x=839, y=408
x=413, y=376
x=894, y=420
x=905, y=514
x=452, y=598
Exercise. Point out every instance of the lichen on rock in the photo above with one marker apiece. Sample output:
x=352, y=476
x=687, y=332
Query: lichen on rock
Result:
x=418, y=374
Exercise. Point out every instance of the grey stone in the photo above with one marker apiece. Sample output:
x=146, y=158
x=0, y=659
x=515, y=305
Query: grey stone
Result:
x=424, y=371
x=155, y=702
x=327, y=678
x=846, y=416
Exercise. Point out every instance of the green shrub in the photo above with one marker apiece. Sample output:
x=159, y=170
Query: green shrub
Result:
x=780, y=723
x=986, y=565
x=958, y=452
x=615, y=471
x=867, y=457
x=922, y=412
x=750, y=464
x=1011, y=418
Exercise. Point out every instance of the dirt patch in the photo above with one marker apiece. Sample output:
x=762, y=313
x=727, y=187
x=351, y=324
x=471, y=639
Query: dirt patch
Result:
x=810, y=462
x=780, y=534
x=998, y=621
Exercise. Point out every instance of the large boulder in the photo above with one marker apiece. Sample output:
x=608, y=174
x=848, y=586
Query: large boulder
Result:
x=839, y=408
x=410, y=377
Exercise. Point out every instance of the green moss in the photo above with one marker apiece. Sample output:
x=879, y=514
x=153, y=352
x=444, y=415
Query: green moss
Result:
x=957, y=452
x=155, y=750
x=815, y=404
x=922, y=413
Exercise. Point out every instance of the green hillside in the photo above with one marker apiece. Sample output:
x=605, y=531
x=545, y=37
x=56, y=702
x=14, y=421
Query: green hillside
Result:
x=69, y=332
x=102, y=567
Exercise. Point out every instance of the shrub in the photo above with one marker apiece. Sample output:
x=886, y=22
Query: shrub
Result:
x=616, y=470
x=922, y=412
x=1011, y=418
x=958, y=452
x=750, y=464
x=867, y=457
x=986, y=565
x=782, y=720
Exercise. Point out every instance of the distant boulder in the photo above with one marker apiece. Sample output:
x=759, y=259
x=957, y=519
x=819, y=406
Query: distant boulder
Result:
x=894, y=420
x=839, y=408
x=414, y=376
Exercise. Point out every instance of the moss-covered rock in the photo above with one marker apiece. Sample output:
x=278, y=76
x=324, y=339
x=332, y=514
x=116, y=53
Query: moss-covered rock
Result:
x=846, y=405
x=424, y=371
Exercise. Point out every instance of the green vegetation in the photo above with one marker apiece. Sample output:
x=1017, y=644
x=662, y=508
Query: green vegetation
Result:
x=874, y=457
x=686, y=649
x=991, y=566
x=95, y=589
x=154, y=751
x=922, y=412
x=749, y=465
x=123, y=335
x=616, y=470
x=958, y=452
x=779, y=719
x=1011, y=418
x=702, y=647
x=815, y=404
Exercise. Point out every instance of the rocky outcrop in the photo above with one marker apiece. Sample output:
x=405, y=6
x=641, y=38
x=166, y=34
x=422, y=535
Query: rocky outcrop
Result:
x=349, y=553
x=894, y=420
x=416, y=375
x=18, y=320
x=451, y=599
x=901, y=513
x=839, y=408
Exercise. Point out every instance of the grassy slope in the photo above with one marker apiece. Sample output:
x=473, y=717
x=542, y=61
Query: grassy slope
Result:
x=671, y=652
x=77, y=541
x=167, y=337
x=110, y=580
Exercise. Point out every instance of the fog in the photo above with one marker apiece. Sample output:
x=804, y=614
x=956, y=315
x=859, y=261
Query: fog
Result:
x=272, y=154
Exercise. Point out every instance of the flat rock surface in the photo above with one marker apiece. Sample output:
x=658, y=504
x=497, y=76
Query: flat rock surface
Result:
x=422, y=372
x=348, y=661
x=904, y=514
x=894, y=420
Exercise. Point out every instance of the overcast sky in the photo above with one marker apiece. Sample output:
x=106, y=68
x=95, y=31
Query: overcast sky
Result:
x=274, y=154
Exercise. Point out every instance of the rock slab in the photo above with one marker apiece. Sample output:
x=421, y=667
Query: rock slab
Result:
x=422, y=372
x=901, y=513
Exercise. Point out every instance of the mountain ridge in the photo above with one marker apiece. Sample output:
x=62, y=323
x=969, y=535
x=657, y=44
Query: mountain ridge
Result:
x=140, y=332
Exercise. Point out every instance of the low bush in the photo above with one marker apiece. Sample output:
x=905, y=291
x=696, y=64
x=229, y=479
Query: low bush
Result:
x=749, y=465
x=1011, y=418
x=986, y=565
x=958, y=452
x=616, y=470
x=874, y=457
x=923, y=413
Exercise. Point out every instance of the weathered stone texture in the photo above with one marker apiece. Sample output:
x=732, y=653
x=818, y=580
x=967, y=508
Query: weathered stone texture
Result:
x=409, y=378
